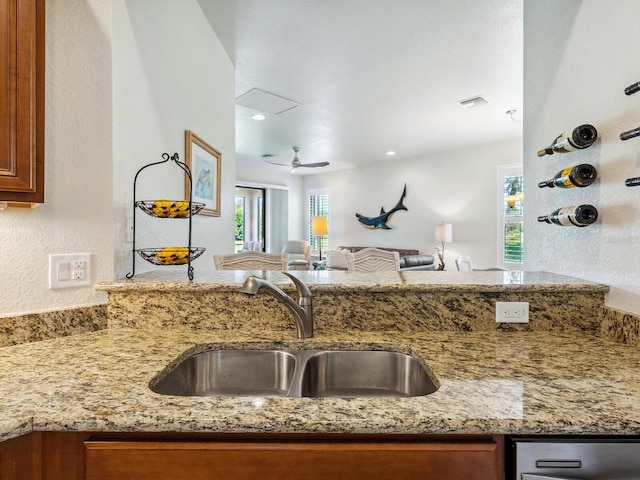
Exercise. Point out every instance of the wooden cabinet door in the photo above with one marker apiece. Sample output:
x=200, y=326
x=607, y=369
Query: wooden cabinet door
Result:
x=22, y=101
x=123, y=460
x=20, y=458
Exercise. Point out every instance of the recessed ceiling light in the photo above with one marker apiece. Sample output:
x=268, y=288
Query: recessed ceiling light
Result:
x=258, y=116
x=472, y=102
x=391, y=153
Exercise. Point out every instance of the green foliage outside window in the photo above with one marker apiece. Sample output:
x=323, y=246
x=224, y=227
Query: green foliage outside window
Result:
x=513, y=209
x=239, y=219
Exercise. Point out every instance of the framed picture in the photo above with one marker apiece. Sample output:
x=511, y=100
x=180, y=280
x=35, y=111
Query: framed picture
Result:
x=205, y=164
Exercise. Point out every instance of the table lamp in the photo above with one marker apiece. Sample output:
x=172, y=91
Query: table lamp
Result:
x=320, y=228
x=443, y=234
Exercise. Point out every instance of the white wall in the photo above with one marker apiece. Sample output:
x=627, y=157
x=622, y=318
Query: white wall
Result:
x=171, y=74
x=77, y=215
x=459, y=187
x=577, y=65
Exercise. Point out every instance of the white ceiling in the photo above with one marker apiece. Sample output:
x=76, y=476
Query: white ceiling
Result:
x=372, y=75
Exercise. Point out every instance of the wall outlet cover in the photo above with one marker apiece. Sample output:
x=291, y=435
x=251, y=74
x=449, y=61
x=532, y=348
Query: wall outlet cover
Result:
x=69, y=270
x=512, y=312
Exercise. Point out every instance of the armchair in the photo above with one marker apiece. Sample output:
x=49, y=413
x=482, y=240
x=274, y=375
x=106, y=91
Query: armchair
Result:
x=299, y=252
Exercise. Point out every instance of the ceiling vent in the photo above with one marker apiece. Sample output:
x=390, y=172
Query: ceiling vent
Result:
x=265, y=102
x=473, y=102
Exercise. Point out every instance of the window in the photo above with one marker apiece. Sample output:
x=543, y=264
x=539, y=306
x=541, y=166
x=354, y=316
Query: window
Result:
x=261, y=206
x=240, y=217
x=318, y=202
x=510, y=218
x=250, y=216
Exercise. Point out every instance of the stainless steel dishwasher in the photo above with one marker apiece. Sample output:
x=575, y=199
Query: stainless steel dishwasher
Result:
x=573, y=458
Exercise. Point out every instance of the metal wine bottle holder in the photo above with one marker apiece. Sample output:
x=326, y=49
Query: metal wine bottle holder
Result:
x=166, y=209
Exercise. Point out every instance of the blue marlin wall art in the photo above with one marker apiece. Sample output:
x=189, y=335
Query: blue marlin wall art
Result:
x=381, y=220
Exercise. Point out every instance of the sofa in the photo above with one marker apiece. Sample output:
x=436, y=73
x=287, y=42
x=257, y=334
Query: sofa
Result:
x=409, y=259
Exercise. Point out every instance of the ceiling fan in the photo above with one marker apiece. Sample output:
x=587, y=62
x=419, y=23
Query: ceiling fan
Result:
x=296, y=163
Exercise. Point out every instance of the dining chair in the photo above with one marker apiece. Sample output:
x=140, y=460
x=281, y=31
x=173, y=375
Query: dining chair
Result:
x=251, y=260
x=464, y=265
x=373, y=260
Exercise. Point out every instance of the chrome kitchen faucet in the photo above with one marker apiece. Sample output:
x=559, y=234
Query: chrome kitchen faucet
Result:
x=302, y=310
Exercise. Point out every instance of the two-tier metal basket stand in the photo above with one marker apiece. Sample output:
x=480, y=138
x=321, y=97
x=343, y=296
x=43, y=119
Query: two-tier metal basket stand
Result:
x=175, y=209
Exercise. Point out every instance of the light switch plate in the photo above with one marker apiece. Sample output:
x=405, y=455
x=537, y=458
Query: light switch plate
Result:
x=69, y=270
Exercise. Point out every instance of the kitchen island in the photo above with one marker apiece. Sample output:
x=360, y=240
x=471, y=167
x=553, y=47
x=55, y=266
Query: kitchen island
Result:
x=551, y=379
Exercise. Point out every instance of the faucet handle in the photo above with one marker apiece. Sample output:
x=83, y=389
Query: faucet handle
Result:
x=303, y=290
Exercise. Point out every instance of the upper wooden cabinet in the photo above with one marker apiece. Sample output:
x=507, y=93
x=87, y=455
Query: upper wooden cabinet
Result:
x=22, y=101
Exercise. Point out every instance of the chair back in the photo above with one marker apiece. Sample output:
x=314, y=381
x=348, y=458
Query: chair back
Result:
x=463, y=264
x=251, y=261
x=373, y=260
x=297, y=250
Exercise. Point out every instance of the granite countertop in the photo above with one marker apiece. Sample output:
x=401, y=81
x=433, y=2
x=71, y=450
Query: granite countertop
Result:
x=320, y=280
x=490, y=382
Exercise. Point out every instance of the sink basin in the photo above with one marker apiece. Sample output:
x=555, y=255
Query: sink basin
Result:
x=297, y=373
x=364, y=374
x=231, y=372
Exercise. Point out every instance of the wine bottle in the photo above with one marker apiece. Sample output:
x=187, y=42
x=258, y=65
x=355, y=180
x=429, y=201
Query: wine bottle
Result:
x=576, y=139
x=631, y=89
x=630, y=134
x=577, y=215
x=581, y=175
x=632, y=182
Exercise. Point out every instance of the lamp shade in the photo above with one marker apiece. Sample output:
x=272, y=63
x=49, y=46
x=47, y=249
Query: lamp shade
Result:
x=319, y=226
x=444, y=232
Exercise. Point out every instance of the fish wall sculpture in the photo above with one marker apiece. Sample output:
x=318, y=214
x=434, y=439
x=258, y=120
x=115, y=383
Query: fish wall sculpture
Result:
x=381, y=220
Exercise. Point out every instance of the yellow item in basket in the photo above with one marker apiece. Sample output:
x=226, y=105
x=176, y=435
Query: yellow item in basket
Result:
x=173, y=255
x=179, y=208
x=161, y=207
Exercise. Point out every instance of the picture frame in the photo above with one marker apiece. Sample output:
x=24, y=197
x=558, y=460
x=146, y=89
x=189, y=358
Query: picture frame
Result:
x=205, y=163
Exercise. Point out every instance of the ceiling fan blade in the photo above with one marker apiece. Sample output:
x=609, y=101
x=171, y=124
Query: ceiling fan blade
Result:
x=296, y=163
x=281, y=164
x=314, y=165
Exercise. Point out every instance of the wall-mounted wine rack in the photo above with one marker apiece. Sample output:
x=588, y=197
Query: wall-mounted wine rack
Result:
x=630, y=90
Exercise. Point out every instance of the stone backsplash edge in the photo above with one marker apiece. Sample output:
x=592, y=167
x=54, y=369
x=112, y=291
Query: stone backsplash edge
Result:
x=618, y=325
x=621, y=326
x=33, y=327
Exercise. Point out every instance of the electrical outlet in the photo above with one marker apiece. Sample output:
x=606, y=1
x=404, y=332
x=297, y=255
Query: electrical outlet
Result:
x=78, y=265
x=512, y=312
x=69, y=270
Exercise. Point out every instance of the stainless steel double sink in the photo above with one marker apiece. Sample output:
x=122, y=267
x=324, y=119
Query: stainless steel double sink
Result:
x=297, y=373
